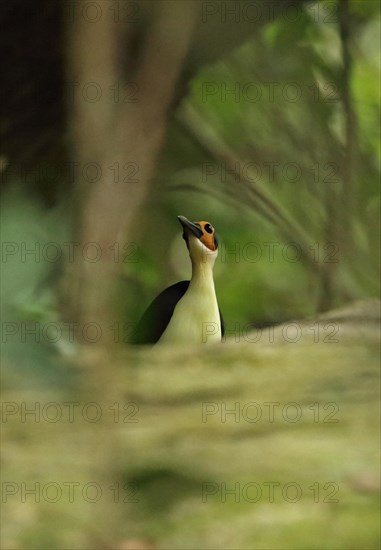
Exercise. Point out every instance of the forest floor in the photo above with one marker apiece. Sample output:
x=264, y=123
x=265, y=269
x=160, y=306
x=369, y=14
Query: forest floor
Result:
x=265, y=442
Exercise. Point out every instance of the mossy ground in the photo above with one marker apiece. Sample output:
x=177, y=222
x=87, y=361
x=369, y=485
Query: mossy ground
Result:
x=166, y=452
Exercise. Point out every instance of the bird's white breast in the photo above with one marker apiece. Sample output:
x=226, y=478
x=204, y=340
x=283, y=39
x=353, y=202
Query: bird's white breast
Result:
x=196, y=317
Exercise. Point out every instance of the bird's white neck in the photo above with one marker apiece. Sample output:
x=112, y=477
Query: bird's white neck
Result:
x=196, y=318
x=203, y=261
x=202, y=273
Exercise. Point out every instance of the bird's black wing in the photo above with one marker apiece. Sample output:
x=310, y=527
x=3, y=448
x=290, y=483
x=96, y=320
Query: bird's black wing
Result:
x=222, y=324
x=158, y=314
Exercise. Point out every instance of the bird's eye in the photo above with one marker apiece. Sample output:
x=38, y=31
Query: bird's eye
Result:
x=208, y=228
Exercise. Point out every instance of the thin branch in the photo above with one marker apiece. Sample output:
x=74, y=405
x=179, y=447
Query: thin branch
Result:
x=350, y=125
x=260, y=200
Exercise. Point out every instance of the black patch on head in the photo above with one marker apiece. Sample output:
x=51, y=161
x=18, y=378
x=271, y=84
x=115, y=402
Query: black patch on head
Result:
x=208, y=228
x=216, y=241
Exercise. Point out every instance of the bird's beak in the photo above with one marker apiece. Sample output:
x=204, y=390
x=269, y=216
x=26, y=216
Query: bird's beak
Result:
x=195, y=229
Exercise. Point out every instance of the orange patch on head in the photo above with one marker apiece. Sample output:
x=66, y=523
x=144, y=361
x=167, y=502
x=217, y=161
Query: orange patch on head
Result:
x=207, y=237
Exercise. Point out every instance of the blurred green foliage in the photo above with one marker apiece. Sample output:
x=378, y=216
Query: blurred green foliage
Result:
x=288, y=122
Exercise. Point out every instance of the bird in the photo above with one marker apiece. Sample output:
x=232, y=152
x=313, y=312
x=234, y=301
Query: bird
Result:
x=187, y=312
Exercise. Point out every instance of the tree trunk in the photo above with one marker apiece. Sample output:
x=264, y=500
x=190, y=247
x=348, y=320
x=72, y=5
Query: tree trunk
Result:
x=115, y=145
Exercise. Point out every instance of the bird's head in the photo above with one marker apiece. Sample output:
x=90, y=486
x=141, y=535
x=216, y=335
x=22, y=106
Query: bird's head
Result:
x=200, y=239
